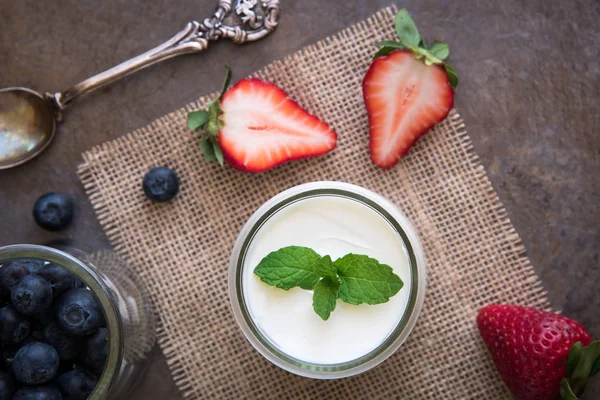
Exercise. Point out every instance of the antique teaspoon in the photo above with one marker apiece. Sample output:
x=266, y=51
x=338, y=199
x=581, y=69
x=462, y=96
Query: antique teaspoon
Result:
x=28, y=119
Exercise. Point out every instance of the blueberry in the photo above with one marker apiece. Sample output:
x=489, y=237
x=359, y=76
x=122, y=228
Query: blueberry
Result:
x=65, y=366
x=40, y=321
x=35, y=363
x=76, y=384
x=53, y=211
x=79, y=313
x=32, y=295
x=8, y=355
x=96, y=351
x=65, y=346
x=161, y=184
x=38, y=335
x=7, y=386
x=59, y=278
x=38, y=393
x=32, y=265
x=10, y=274
x=14, y=327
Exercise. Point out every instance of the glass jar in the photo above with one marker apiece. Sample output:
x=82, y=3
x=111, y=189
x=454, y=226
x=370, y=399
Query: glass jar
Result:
x=416, y=262
x=126, y=305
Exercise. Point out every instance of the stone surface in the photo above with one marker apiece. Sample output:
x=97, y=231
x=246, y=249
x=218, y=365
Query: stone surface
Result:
x=529, y=94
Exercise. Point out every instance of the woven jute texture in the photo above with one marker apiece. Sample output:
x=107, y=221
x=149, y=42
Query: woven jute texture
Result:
x=181, y=249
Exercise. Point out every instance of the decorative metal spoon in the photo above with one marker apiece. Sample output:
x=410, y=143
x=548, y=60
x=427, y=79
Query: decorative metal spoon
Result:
x=28, y=119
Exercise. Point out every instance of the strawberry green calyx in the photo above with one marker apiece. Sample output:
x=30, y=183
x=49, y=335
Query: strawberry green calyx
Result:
x=211, y=121
x=410, y=39
x=582, y=364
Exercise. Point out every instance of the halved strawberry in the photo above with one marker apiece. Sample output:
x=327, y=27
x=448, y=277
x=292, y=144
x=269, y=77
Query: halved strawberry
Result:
x=407, y=90
x=263, y=127
x=255, y=126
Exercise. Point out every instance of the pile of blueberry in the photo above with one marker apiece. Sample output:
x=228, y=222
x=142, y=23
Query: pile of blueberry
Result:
x=53, y=333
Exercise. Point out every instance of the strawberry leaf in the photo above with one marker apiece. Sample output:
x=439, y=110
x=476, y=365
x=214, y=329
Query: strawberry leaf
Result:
x=218, y=153
x=573, y=358
x=387, y=46
x=407, y=29
x=589, y=357
x=595, y=367
x=389, y=43
x=565, y=391
x=451, y=75
x=211, y=121
x=197, y=119
x=207, y=149
x=226, y=83
x=384, y=51
x=212, y=127
x=439, y=49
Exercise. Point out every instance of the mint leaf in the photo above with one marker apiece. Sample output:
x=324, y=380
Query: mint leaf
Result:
x=289, y=267
x=407, y=29
x=325, y=268
x=439, y=49
x=325, y=296
x=365, y=280
x=197, y=119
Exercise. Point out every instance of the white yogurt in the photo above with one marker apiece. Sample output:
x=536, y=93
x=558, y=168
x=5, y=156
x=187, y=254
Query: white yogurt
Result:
x=335, y=226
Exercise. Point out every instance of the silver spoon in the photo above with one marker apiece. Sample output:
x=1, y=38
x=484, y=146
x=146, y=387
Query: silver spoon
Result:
x=28, y=119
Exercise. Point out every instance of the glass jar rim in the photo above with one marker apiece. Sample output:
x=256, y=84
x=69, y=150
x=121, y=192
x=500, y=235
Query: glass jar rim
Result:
x=97, y=285
x=392, y=215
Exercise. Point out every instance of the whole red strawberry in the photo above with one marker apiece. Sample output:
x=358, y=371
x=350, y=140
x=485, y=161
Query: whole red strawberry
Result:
x=531, y=348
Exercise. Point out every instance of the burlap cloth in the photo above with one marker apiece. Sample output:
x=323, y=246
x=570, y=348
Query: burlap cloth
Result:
x=181, y=249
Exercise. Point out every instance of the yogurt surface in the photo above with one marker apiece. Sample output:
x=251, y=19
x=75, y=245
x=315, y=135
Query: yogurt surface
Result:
x=332, y=226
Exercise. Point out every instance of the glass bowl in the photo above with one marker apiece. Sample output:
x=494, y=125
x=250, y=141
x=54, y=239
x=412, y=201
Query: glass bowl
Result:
x=400, y=224
x=126, y=305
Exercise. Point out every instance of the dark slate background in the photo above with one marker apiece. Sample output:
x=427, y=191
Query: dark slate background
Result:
x=529, y=95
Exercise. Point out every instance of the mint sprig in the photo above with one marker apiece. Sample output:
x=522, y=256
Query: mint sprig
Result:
x=354, y=278
x=210, y=121
x=410, y=39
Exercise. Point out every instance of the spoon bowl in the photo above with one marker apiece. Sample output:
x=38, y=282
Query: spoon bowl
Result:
x=28, y=119
x=27, y=125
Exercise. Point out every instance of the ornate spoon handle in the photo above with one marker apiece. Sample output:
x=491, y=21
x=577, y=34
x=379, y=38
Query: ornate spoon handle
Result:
x=253, y=20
